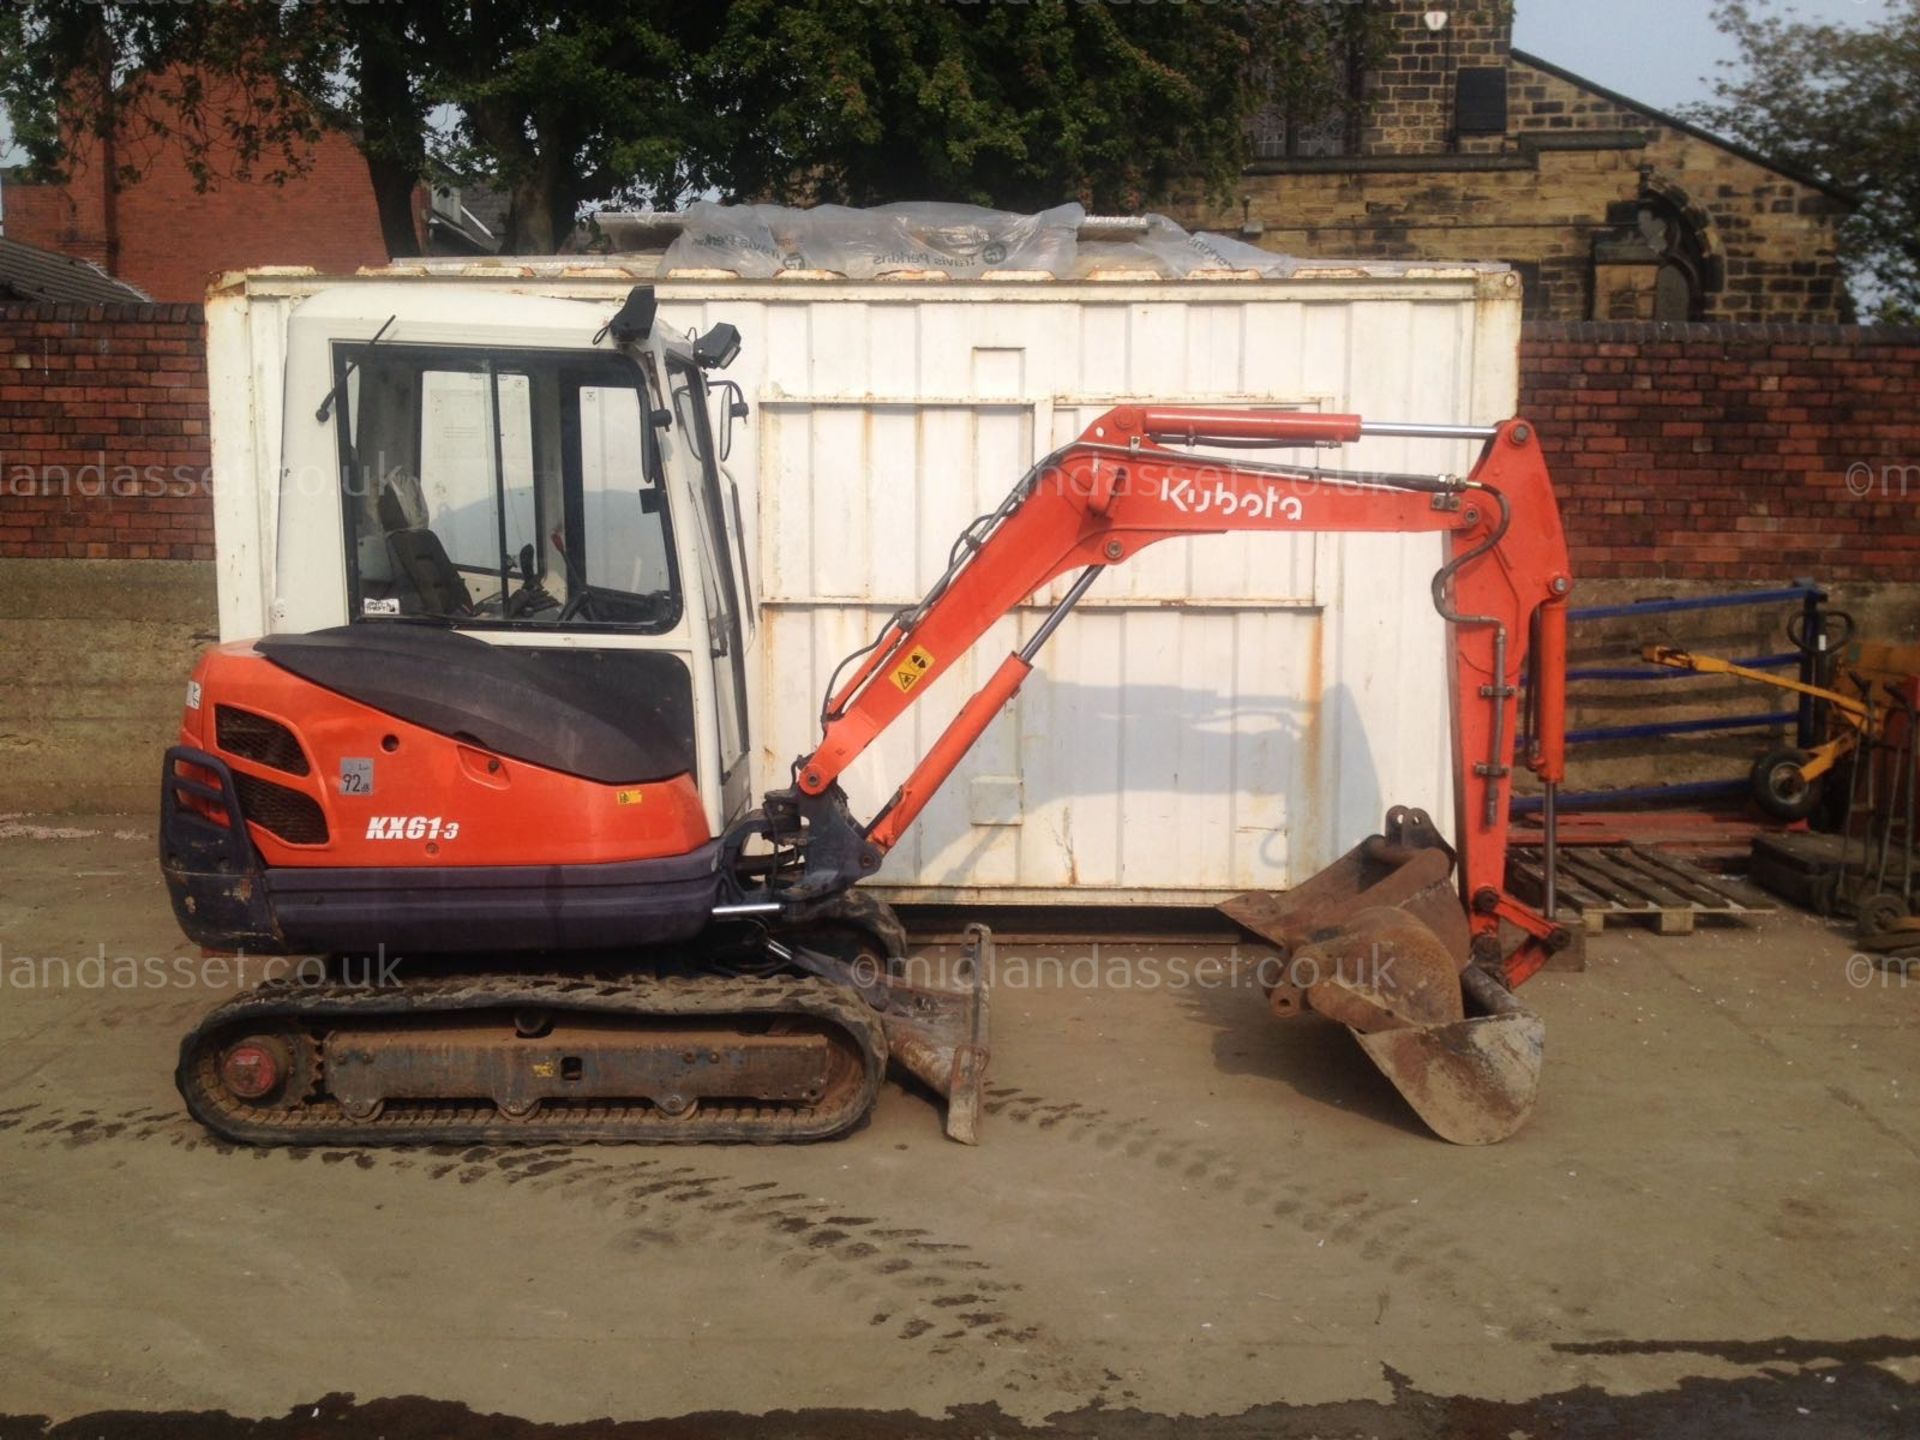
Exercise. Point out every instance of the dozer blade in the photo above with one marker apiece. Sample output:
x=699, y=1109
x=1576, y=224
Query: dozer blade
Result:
x=1379, y=942
x=937, y=1034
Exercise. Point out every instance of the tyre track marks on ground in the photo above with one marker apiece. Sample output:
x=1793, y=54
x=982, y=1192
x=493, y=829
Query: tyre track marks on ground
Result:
x=914, y=1283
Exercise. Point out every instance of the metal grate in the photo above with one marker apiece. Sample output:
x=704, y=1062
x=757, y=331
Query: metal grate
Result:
x=294, y=817
x=256, y=738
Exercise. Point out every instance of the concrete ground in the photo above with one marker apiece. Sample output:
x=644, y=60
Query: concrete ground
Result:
x=1180, y=1209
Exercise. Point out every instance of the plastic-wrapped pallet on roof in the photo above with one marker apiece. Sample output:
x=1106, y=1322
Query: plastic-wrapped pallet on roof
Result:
x=963, y=242
x=933, y=241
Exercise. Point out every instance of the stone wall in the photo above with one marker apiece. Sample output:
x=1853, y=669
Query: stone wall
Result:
x=1697, y=460
x=1598, y=201
x=1767, y=239
x=1410, y=96
x=106, y=548
x=93, y=676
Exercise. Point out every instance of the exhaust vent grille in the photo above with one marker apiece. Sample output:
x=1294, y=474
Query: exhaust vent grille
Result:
x=295, y=818
x=256, y=738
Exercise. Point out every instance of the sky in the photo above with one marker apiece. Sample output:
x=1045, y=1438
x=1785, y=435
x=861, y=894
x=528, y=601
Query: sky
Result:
x=1660, y=51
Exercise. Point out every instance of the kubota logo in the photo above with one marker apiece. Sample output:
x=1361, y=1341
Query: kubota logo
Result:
x=1257, y=503
x=411, y=827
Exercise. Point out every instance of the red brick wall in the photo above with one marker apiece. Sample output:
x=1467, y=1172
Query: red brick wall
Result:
x=1680, y=452
x=1731, y=452
x=167, y=238
x=103, y=433
x=52, y=217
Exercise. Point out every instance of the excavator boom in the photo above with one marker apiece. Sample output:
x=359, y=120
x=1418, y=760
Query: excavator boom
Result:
x=1395, y=953
x=1122, y=487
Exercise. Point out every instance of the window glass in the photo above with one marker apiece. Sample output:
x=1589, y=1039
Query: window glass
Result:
x=493, y=489
x=716, y=563
x=620, y=502
x=465, y=506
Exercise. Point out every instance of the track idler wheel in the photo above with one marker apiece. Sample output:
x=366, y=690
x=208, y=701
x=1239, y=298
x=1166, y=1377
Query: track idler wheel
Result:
x=270, y=1068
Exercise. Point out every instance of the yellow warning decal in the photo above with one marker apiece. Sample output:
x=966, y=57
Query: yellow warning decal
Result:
x=543, y=1069
x=912, y=670
x=629, y=797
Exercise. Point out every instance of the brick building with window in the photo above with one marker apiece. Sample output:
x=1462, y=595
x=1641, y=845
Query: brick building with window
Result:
x=1458, y=146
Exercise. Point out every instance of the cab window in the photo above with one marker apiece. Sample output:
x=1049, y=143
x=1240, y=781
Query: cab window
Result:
x=495, y=489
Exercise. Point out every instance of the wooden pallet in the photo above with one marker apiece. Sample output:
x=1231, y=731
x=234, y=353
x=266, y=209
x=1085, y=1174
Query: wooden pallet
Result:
x=1603, y=883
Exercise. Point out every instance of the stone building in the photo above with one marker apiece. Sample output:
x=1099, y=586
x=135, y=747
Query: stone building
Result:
x=1458, y=146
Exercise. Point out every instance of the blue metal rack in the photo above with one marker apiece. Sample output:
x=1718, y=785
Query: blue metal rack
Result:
x=1806, y=594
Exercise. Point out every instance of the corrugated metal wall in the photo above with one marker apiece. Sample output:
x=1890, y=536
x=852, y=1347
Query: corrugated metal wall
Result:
x=1225, y=712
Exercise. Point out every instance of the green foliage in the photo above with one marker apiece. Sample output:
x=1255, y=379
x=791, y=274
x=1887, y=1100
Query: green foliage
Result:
x=557, y=103
x=1019, y=105
x=70, y=65
x=1843, y=101
x=1016, y=105
x=563, y=104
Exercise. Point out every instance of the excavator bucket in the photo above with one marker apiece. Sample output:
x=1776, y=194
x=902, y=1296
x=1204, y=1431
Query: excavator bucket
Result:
x=1379, y=942
x=1474, y=1080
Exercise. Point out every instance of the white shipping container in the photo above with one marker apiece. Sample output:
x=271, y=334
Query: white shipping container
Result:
x=1221, y=714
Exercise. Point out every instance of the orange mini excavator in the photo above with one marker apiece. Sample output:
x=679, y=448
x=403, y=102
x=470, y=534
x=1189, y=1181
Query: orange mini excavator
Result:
x=586, y=958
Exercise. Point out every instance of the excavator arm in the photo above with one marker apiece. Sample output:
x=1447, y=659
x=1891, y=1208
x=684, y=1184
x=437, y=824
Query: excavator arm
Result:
x=1125, y=485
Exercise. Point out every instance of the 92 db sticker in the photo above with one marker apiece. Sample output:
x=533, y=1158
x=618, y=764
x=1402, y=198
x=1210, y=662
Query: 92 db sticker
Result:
x=356, y=776
x=912, y=670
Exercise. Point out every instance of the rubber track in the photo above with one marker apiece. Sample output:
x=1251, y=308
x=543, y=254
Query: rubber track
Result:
x=320, y=1121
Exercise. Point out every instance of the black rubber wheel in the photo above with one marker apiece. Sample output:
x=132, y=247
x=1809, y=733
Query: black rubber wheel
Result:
x=1781, y=788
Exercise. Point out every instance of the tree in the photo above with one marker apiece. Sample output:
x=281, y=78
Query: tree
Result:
x=1843, y=101
x=240, y=90
x=562, y=104
x=73, y=69
x=1016, y=105
x=558, y=103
